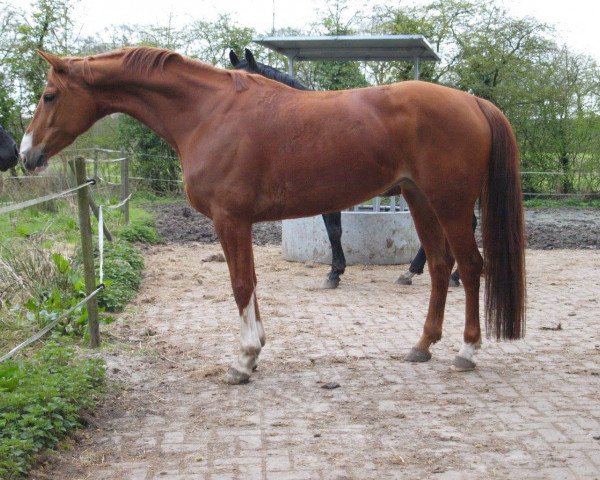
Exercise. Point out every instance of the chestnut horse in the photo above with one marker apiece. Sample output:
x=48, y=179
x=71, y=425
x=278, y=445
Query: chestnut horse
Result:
x=9, y=153
x=254, y=150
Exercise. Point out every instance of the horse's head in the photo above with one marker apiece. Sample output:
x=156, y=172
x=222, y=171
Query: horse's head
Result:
x=67, y=109
x=248, y=63
x=252, y=66
x=9, y=153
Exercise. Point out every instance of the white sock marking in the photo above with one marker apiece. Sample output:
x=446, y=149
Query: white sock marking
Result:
x=250, y=335
x=468, y=350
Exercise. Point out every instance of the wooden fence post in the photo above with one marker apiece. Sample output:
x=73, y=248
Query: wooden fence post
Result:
x=125, y=185
x=94, y=207
x=87, y=248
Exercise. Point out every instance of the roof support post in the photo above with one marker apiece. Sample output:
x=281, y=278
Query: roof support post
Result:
x=291, y=66
x=416, y=68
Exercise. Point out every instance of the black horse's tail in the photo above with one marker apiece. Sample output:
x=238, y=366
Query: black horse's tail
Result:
x=503, y=232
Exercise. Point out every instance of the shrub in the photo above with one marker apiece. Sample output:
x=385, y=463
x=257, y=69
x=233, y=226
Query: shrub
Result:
x=123, y=265
x=142, y=230
x=40, y=401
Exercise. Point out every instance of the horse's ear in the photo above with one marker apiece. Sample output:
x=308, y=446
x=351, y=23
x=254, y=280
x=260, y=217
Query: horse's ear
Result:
x=233, y=58
x=250, y=59
x=57, y=63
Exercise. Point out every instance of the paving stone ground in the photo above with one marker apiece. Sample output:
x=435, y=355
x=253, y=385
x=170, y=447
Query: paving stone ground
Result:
x=531, y=410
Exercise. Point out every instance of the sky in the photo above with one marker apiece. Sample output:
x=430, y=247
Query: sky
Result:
x=576, y=21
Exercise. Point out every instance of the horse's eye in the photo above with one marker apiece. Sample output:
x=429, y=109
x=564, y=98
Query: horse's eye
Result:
x=48, y=97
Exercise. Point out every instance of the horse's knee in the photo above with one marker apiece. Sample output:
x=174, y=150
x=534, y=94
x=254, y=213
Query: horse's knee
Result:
x=471, y=268
x=440, y=268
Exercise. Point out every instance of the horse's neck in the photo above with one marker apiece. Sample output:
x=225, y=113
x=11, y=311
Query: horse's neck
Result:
x=166, y=101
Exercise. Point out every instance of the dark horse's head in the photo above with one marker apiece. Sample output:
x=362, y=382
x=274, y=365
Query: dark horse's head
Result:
x=252, y=66
x=9, y=152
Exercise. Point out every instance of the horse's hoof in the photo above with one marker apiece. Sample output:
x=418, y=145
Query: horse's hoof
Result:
x=454, y=282
x=331, y=283
x=235, y=377
x=462, y=364
x=416, y=355
x=405, y=279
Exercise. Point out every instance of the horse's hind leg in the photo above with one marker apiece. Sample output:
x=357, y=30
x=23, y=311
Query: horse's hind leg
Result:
x=470, y=264
x=455, y=277
x=333, y=224
x=439, y=262
x=415, y=268
x=236, y=240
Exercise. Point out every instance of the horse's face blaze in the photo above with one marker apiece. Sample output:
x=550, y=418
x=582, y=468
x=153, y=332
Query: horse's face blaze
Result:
x=62, y=114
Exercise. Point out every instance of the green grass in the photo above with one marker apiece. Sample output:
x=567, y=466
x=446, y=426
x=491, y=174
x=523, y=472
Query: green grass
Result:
x=557, y=203
x=41, y=399
x=60, y=226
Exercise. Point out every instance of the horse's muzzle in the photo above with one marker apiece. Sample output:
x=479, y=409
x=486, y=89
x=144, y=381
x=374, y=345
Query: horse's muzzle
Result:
x=34, y=160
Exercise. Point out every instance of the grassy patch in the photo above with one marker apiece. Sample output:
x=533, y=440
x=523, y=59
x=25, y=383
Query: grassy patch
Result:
x=558, y=203
x=141, y=228
x=41, y=399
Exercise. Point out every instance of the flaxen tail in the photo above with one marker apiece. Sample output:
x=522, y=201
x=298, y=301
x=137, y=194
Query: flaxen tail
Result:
x=503, y=232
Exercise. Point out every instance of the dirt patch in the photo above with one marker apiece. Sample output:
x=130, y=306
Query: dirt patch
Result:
x=563, y=228
x=547, y=228
x=180, y=223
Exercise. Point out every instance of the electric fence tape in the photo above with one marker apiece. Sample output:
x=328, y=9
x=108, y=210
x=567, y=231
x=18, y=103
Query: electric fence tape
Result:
x=46, y=198
x=101, y=234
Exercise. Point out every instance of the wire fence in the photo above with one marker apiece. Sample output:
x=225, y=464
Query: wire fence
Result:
x=85, y=203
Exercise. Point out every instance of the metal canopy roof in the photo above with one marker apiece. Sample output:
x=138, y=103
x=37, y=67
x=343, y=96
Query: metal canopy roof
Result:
x=352, y=47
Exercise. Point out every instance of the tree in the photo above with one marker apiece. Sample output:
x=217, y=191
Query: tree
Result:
x=333, y=75
x=400, y=21
x=558, y=122
x=47, y=25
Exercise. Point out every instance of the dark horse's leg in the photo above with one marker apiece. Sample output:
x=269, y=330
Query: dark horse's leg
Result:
x=416, y=268
x=418, y=263
x=333, y=224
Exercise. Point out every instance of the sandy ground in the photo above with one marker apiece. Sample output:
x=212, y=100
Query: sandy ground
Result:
x=530, y=410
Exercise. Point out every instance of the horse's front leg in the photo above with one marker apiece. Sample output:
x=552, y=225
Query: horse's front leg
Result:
x=333, y=225
x=236, y=240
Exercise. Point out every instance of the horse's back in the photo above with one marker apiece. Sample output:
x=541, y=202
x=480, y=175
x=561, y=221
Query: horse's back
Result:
x=325, y=151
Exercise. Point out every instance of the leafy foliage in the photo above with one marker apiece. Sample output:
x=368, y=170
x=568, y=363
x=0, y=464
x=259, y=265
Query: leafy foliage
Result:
x=40, y=401
x=154, y=159
x=141, y=231
x=123, y=265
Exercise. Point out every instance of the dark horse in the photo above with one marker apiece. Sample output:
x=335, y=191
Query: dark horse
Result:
x=9, y=152
x=333, y=221
x=232, y=132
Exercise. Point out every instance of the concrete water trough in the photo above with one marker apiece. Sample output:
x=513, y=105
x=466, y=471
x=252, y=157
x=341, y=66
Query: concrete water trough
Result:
x=372, y=234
